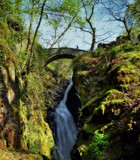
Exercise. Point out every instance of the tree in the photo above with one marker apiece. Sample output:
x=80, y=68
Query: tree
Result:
x=134, y=12
x=89, y=7
x=6, y=9
x=29, y=10
x=134, y=9
x=30, y=26
x=35, y=34
x=117, y=11
x=56, y=14
x=61, y=16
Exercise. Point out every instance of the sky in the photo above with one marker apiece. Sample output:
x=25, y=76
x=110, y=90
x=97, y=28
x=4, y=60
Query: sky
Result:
x=74, y=37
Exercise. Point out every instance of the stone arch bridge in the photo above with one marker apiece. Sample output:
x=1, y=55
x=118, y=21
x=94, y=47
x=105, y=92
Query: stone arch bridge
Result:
x=61, y=53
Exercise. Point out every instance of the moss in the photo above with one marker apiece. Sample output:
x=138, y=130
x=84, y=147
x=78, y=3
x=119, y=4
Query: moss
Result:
x=13, y=154
x=110, y=93
x=105, y=91
x=3, y=27
x=6, y=53
x=90, y=128
x=36, y=134
x=82, y=73
x=27, y=111
x=97, y=147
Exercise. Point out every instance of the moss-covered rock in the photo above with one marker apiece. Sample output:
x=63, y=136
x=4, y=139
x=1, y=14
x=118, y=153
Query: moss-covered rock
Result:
x=110, y=93
x=6, y=154
x=36, y=135
x=24, y=134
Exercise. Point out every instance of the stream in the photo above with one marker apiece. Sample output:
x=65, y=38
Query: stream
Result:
x=65, y=127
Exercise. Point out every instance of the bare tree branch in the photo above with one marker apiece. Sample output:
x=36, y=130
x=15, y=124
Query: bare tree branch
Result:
x=63, y=33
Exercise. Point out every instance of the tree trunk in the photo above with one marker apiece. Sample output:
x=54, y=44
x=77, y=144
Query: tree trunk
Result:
x=93, y=35
x=128, y=30
x=93, y=40
x=30, y=28
x=36, y=31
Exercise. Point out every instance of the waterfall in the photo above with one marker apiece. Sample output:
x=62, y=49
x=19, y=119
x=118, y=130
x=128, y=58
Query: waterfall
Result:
x=66, y=128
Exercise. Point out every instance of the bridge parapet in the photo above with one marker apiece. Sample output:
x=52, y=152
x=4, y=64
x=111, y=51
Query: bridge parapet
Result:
x=65, y=50
x=61, y=53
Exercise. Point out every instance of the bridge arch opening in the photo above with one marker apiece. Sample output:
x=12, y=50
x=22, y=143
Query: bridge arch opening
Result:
x=59, y=56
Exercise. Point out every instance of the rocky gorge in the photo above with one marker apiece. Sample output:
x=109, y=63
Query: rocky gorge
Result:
x=104, y=101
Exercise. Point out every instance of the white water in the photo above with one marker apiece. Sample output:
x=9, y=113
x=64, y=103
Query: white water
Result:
x=66, y=128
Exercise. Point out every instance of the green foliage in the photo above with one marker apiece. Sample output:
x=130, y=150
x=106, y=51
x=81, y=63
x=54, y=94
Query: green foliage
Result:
x=98, y=146
x=6, y=8
x=134, y=10
x=16, y=154
x=122, y=47
x=65, y=10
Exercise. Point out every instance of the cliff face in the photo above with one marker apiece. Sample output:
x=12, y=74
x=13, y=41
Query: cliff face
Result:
x=9, y=118
x=109, y=89
x=23, y=130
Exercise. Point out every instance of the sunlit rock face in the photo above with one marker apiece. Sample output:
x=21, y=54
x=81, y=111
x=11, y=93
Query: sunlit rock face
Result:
x=10, y=95
x=9, y=120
